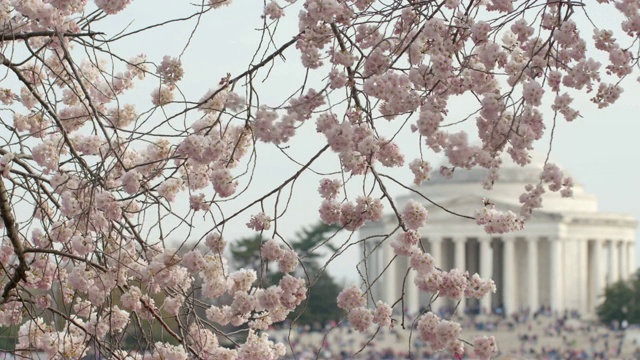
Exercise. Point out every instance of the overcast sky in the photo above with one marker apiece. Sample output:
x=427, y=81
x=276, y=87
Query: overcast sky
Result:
x=599, y=150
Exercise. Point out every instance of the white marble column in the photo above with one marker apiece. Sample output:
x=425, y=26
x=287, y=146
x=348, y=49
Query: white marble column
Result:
x=459, y=261
x=412, y=298
x=614, y=267
x=624, y=266
x=382, y=256
x=555, y=274
x=598, y=279
x=532, y=274
x=390, y=276
x=509, y=276
x=486, y=270
x=631, y=253
x=583, y=275
x=436, y=252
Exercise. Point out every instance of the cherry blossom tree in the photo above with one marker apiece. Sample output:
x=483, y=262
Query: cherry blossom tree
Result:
x=120, y=188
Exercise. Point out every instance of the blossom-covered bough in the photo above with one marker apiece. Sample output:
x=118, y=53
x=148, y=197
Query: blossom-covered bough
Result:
x=115, y=202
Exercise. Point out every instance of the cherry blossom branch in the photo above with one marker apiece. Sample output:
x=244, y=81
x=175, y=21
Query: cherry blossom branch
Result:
x=232, y=81
x=287, y=181
x=6, y=62
x=426, y=198
x=64, y=254
x=389, y=198
x=14, y=236
x=350, y=73
x=29, y=35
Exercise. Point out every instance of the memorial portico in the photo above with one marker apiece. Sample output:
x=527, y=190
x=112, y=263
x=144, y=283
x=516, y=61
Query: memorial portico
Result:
x=575, y=270
x=565, y=256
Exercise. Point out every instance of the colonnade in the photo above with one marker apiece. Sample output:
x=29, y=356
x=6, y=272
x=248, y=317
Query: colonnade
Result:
x=563, y=273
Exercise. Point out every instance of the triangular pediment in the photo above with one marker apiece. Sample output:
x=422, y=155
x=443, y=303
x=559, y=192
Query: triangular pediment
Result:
x=467, y=205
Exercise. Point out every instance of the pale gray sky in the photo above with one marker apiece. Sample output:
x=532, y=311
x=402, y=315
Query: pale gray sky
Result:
x=599, y=150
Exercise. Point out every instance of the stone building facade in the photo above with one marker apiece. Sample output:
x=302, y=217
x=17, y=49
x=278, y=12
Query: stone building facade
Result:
x=563, y=258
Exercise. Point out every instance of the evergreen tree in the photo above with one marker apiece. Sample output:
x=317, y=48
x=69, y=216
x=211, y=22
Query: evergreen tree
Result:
x=622, y=302
x=311, y=244
x=245, y=253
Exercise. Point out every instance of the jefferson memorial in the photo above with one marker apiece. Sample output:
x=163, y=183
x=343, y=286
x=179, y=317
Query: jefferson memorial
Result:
x=563, y=258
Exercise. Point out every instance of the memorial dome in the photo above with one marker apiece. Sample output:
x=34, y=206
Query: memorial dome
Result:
x=507, y=189
x=509, y=172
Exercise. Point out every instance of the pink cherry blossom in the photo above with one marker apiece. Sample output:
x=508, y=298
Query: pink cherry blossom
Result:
x=360, y=318
x=351, y=298
x=259, y=222
x=414, y=215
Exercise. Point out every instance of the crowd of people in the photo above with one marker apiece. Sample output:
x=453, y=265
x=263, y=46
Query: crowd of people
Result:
x=523, y=335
